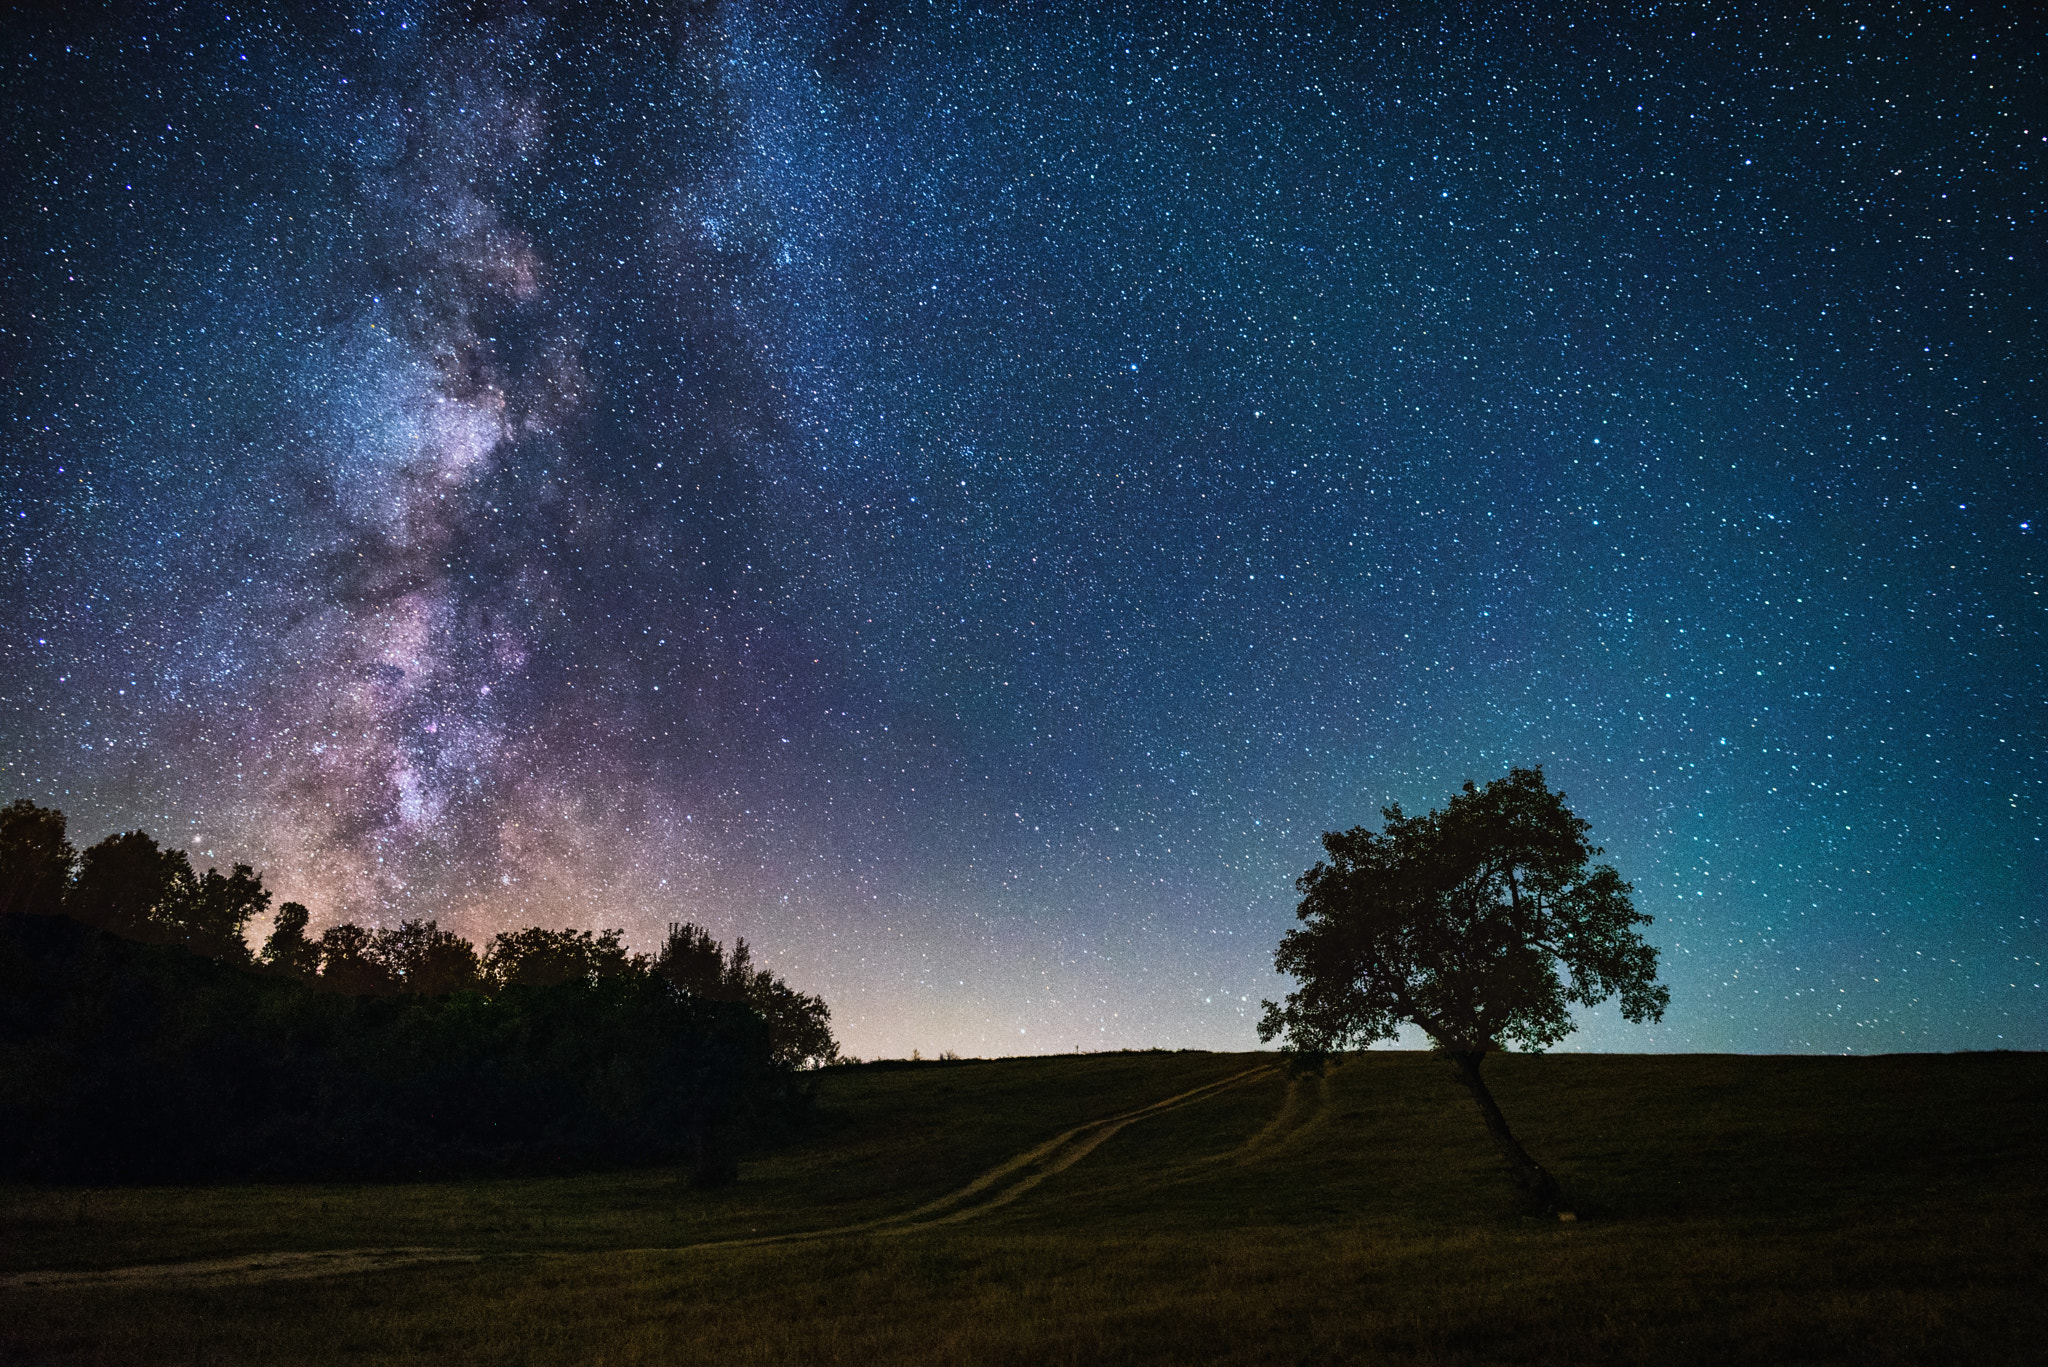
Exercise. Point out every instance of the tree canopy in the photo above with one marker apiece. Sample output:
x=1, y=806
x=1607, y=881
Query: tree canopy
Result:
x=1483, y=923
x=35, y=859
x=127, y=1061
x=128, y=885
x=542, y=958
x=799, y=1025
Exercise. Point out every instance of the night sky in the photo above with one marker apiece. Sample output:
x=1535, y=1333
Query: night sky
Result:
x=964, y=496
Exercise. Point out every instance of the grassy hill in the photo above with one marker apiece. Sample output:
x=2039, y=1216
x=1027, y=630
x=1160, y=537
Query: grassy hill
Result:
x=1140, y=1208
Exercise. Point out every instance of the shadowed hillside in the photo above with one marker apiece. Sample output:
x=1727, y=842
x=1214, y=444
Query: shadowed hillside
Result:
x=1141, y=1208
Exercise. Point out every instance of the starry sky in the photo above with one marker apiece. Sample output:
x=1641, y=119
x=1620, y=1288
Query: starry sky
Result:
x=964, y=495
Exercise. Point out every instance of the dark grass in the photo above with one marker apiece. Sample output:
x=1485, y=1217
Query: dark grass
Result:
x=1740, y=1210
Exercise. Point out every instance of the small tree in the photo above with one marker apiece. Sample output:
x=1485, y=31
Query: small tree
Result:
x=1459, y=922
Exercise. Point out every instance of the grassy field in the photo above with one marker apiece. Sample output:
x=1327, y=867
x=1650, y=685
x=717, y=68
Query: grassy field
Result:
x=1765, y=1210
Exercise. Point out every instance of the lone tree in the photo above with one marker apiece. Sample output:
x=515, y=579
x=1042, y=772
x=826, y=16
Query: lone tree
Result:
x=1460, y=922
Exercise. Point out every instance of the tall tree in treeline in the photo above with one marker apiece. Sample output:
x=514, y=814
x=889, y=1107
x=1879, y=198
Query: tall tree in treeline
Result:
x=799, y=1026
x=128, y=885
x=35, y=859
x=287, y=950
x=125, y=884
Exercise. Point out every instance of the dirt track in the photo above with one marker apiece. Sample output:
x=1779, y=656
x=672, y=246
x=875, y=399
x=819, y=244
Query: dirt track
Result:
x=1055, y=1155
x=254, y=1267
x=997, y=1187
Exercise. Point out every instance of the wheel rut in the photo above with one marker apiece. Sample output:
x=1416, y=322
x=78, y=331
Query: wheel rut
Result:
x=1005, y=1182
x=992, y=1190
x=252, y=1267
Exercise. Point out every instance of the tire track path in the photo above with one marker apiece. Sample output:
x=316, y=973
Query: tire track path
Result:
x=997, y=1187
x=1056, y=1155
x=1299, y=1113
x=253, y=1267
x=1001, y=1184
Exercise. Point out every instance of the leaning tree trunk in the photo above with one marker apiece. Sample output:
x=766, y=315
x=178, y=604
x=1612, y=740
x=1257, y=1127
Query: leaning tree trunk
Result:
x=1528, y=1173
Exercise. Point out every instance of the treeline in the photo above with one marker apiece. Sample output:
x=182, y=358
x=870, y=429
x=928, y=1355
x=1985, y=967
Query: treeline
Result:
x=141, y=1038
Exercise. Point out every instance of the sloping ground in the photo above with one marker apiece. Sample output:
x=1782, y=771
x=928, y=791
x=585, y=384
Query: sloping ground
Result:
x=1143, y=1208
x=997, y=1187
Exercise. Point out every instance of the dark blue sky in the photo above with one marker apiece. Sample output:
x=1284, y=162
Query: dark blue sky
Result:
x=963, y=497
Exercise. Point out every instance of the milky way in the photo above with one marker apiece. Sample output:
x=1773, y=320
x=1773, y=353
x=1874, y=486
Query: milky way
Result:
x=964, y=497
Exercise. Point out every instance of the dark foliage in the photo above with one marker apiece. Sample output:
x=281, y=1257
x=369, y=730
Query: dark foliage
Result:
x=799, y=1026
x=35, y=859
x=542, y=958
x=1459, y=922
x=347, y=965
x=288, y=951
x=140, y=1039
x=125, y=882
x=127, y=885
x=122, y=1061
x=421, y=959
x=1481, y=923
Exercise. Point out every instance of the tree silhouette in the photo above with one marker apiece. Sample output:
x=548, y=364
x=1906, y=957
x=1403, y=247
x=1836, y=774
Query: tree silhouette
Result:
x=542, y=958
x=35, y=859
x=1459, y=922
x=346, y=965
x=129, y=1061
x=799, y=1026
x=288, y=951
x=423, y=959
x=695, y=962
x=208, y=914
x=126, y=883
x=133, y=1059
